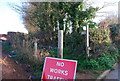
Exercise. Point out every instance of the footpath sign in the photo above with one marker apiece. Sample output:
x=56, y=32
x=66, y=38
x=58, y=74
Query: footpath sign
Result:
x=61, y=69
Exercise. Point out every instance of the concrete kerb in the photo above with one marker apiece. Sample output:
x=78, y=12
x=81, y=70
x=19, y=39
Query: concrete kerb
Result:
x=105, y=73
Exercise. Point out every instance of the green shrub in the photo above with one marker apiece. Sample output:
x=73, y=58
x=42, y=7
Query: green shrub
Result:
x=99, y=39
x=115, y=34
x=89, y=64
x=54, y=53
x=7, y=47
x=103, y=62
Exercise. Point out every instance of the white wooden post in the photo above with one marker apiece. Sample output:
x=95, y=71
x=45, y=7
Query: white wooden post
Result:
x=87, y=41
x=35, y=46
x=60, y=43
x=23, y=42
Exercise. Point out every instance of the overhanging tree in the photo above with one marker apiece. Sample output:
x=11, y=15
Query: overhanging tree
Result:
x=44, y=19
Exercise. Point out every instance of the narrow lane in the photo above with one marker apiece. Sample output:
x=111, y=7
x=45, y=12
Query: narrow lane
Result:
x=115, y=74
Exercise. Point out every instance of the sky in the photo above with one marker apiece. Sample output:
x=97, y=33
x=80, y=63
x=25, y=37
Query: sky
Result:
x=110, y=7
x=11, y=20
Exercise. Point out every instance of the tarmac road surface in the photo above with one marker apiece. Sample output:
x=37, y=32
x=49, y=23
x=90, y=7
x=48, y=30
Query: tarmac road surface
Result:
x=114, y=75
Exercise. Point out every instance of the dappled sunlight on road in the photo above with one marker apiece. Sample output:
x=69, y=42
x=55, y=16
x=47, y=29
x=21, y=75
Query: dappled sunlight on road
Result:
x=3, y=61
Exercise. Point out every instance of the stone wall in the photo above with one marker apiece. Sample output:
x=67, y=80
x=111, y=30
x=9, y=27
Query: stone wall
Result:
x=15, y=39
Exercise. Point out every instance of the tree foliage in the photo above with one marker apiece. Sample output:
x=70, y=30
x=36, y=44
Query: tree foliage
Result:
x=43, y=20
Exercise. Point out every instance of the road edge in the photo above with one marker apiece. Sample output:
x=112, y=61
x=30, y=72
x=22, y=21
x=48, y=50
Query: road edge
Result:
x=106, y=72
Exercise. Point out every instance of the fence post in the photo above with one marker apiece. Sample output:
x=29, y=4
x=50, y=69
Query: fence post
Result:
x=23, y=42
x=35, y=46
x=87, y=41
x=60, y=43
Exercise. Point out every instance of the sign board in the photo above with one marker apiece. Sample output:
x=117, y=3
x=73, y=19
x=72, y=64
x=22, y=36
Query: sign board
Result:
x=55, y=68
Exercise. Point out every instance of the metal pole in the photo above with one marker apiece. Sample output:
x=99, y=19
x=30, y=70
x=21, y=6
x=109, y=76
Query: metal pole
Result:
x=60, y=43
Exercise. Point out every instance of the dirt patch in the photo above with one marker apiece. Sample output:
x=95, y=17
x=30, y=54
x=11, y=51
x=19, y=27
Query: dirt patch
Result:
x=88, y=74
x=12, y=70
x=85, y=76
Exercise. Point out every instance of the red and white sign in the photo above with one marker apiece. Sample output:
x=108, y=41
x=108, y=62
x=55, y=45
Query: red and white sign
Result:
x=55, y=68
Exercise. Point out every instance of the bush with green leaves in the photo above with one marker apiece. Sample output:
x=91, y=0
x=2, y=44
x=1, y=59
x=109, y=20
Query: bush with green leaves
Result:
x=89, y=64
x=103, y=62
x=7, y=47
x=99, y=41
x=115, y=34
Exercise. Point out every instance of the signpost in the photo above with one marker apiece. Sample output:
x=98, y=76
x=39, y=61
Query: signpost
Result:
x=60, y=43
x=59, y=69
